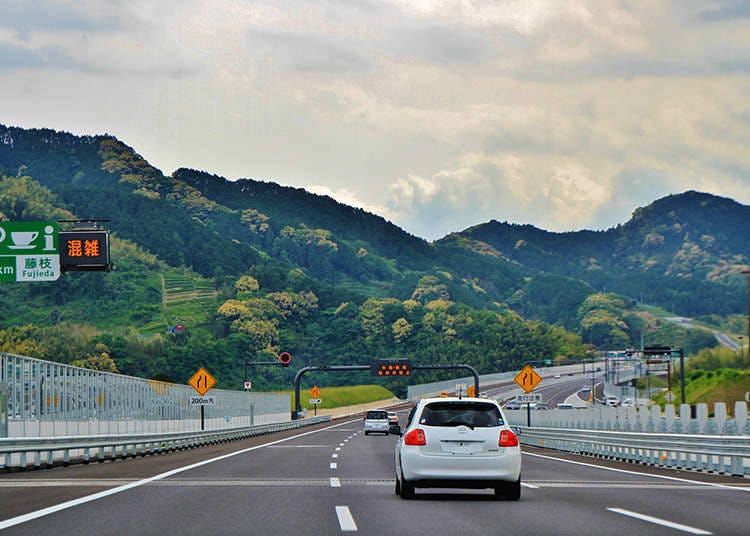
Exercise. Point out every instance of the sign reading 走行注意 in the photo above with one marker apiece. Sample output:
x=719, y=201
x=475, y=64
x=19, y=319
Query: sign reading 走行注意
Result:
x=29, y=251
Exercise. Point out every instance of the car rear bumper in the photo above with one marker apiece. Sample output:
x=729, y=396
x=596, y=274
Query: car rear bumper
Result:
x=460, y=471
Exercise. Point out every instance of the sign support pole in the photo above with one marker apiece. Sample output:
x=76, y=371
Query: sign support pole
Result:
x=203, y=409
x=682, y=374
x=333, y=368
x=528, y=414
x=3, y=414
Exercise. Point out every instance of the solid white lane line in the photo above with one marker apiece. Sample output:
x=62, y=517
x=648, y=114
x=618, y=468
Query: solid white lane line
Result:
x=637, y=473
x=531, y=486
x=299, y=447
x=346, y=521
x=658, y=521
x=106, y=493
x=334, y=465
x=335, y=482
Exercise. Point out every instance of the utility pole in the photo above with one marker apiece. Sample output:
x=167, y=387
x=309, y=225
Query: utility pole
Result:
x=742, y=352
x=747, y=277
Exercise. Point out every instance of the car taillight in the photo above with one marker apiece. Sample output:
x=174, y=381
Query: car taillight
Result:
x=415, y=438
x=508, y=439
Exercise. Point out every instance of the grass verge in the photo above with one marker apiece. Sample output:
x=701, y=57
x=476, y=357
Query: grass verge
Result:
x=336, y=397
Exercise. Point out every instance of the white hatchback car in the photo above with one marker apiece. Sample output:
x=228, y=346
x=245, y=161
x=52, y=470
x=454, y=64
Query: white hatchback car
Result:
x=458, y=443
x=376, y=421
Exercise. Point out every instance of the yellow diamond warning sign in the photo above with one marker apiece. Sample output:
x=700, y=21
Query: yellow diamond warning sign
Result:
x=528, y=379
x=202, y=381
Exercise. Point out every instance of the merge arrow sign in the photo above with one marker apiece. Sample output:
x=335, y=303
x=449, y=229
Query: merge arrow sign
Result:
x=528, y=379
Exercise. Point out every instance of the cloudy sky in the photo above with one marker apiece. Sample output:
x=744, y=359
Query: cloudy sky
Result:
x=435, y=114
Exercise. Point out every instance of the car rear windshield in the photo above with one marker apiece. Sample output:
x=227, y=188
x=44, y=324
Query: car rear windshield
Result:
x=377, y=415
x=473, y=414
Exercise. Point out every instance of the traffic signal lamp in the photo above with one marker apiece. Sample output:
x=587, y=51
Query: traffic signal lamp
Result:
x=284, y=359
x=391, y=367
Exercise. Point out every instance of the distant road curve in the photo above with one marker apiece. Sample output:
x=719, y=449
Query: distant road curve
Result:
x=723, y=338
x=727, y=341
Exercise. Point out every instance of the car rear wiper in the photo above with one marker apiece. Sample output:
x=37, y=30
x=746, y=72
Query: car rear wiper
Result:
x=459, y=423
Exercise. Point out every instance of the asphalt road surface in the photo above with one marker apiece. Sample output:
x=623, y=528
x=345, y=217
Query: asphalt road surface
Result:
x=332, y=479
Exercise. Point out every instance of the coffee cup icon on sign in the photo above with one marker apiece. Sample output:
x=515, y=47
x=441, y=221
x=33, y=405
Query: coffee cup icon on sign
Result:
x=23, y=239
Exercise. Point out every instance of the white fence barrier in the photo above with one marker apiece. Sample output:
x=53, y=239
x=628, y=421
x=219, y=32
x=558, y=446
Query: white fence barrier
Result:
x=712, y=453
x=689, y=420
x=690, y=439
x=43, y=398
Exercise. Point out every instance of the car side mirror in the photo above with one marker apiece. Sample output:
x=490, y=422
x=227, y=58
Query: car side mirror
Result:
x=395, y=429
x=516, y=430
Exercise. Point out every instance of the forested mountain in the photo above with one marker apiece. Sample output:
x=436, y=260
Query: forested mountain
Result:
x=252, y=267
x=684, y=252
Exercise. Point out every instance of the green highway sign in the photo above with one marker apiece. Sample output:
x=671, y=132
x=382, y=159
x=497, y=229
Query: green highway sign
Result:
x=7, y=269
x=29, y=251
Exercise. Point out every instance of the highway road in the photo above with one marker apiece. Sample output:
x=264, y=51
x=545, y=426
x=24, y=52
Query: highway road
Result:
x=553, y=390
x=332, y=479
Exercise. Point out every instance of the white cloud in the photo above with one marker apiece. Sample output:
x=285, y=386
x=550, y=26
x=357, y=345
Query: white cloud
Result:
x=436, y=114
x=502, y=187
x=348, y=198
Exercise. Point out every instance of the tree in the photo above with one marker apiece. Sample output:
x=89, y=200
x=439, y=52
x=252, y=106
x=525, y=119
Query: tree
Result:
x=99, y=360
x=24, y=199
x=401, y=330
x=247, y=283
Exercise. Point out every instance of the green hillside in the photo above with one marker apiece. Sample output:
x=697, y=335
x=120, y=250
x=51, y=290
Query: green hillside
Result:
x=684, y=252
x=251, y=268
x=712, y=386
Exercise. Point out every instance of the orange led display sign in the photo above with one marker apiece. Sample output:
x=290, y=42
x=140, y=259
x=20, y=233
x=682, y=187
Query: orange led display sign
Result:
x=391, y=367
x=84, y=251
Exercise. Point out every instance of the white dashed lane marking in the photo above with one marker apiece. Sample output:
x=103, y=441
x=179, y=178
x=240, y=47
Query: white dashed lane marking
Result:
x=346, y=521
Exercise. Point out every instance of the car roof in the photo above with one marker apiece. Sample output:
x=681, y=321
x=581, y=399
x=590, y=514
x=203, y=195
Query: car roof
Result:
x=457, y=399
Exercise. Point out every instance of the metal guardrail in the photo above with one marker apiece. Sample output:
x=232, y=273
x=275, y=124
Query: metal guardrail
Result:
x=65, y=449
x=712, y=453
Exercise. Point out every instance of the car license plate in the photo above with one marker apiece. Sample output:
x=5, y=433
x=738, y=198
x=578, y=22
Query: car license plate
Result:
x=462, y=447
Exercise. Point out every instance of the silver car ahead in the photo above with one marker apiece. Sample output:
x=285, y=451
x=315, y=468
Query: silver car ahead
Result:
x=458, y=443
x=376, y=421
